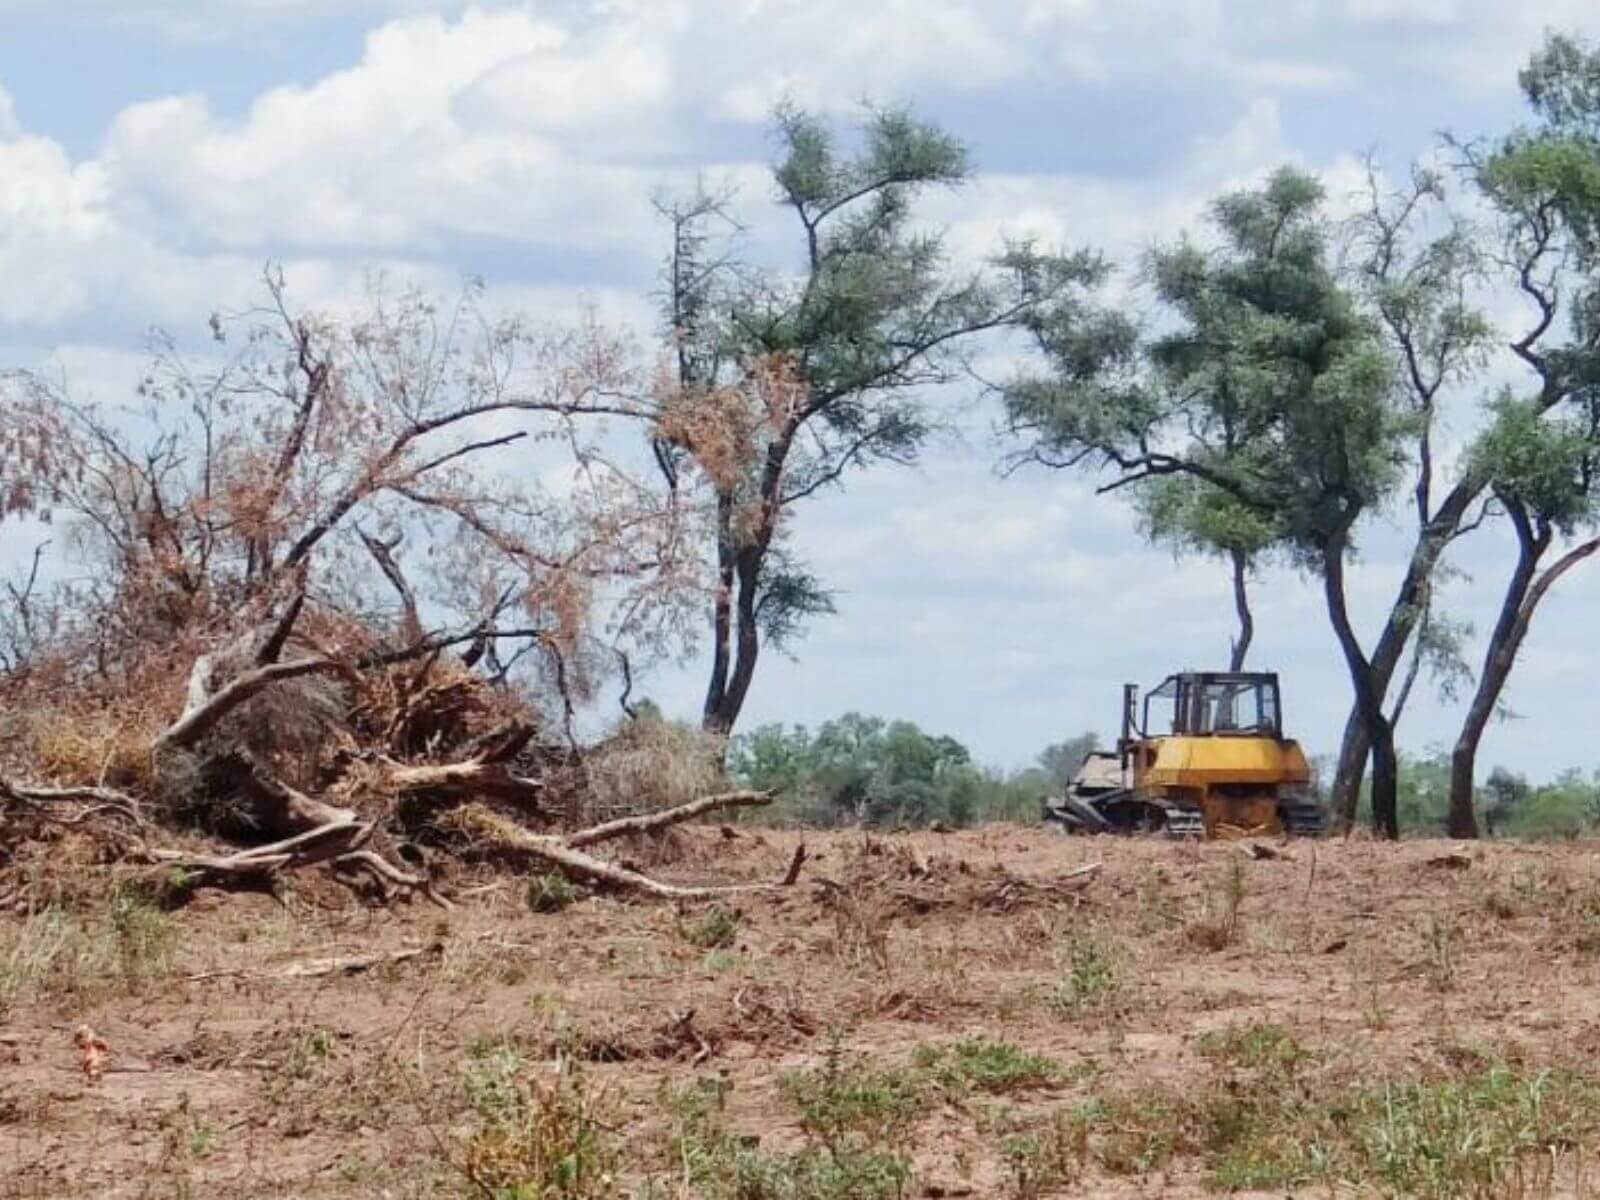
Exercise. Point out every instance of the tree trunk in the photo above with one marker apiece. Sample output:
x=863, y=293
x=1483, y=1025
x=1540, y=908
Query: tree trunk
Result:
x=1369, y=700
x=722, y=717
x=741, y=555
x=1404, y=616
x=1241, y=604
x=1522, y=596
x=721, y=615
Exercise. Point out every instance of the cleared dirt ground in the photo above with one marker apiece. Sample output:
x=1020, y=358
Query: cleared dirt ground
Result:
x=922, y=1015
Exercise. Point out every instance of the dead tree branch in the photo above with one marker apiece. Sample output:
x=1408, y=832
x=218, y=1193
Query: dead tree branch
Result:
x=563, y=853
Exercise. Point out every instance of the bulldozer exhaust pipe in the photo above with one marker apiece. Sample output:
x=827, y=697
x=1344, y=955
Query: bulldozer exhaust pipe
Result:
x=1130, y=699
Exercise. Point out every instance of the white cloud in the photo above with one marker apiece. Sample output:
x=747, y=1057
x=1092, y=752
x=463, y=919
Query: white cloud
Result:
x=540, y=130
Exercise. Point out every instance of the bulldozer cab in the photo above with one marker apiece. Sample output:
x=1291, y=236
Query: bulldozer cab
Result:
x=1198, y=703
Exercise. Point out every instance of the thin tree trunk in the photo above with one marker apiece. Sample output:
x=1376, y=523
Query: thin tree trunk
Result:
x=1369, y=701
x=1241, y=604
x=1523, y=593
x=746, y=645
x=1419, y=648
x=1404, y=616
x=721, y=616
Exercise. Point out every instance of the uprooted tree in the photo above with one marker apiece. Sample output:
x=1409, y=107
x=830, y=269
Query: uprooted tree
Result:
x=307, y=604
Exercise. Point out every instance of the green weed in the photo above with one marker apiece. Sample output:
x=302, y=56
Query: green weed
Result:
x=1089, y=980
x=844, y=1103
x=1253, y=1045
x=715, y=929
x=980, y=1065
x=539, y=1141
x=1043, y=1160
x=551, y=892
x=721, y=1165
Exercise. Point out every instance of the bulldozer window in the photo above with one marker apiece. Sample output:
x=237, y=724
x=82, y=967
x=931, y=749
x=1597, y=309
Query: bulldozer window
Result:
x=1202, y=703
x=1233, y=706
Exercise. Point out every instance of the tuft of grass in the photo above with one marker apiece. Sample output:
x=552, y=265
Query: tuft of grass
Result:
x=489, y=1077
x=1044, y=1160
x=144, y=935
x=551, y=892
x=1258, y=1045
x=702, y=1154
x=1439, y=938
x=980, y=1065
x=1089, y=980
x=56, y=954
x=860, y=929
x=535, y=1140
x=1219, y=926
x=846, y=1104
x=715, y=929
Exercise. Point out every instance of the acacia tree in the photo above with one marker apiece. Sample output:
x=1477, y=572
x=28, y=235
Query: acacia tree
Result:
x=1418, y=266
x=785, y=381
x=1413, y=264
x=1543, y=472
x=1272, y=388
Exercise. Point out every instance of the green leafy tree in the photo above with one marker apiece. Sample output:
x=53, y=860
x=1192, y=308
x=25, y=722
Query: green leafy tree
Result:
x=1272, y=386
x=1543, y=469
x=1413, y=264
x=1567, y=807
x=1417, y=264
x=1539, y=453
x=1504, y=792
x=787, y=381
x=865, y=770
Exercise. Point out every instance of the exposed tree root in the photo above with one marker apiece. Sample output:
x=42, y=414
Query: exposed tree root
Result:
x=91, y=802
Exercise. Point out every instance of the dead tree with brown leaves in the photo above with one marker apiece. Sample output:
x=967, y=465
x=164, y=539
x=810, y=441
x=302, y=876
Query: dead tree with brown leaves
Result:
x=247, y=648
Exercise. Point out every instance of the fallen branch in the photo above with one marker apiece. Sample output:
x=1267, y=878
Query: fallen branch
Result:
x=650, y=822
x=565, y=853
x=316, y=968
x=205, y=708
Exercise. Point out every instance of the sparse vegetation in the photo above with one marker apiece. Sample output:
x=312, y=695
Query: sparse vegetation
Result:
x=1468, y=1135
x=715, y=929
x=846, y=1157
x=546, y=1141
x=551, y=892
x=846, y=1104
x=1090, y=979
x=817, y=1074
x=1219, y=924
x=981, y=1065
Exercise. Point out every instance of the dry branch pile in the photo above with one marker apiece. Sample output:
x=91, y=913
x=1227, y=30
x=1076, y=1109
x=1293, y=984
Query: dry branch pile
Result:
x=248, y=675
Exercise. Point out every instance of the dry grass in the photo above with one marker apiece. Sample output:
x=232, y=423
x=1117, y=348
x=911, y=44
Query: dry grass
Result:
x=648, y=765
x=909, y=1028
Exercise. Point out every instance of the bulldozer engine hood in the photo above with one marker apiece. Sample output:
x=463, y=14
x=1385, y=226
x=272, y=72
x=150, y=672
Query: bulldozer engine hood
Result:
x=1200, y=761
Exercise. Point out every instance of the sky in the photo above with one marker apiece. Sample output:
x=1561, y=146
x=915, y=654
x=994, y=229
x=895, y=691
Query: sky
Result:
x=155, y=154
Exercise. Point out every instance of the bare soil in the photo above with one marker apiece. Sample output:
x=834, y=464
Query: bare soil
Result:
x=234, y=1069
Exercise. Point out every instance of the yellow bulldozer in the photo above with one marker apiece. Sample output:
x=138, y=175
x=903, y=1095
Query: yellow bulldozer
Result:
x=1220, y=768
